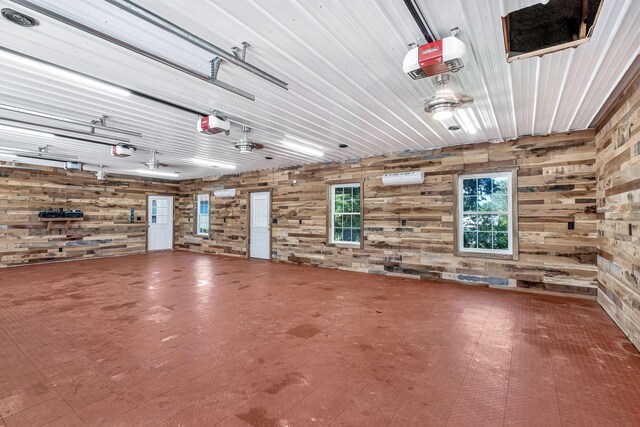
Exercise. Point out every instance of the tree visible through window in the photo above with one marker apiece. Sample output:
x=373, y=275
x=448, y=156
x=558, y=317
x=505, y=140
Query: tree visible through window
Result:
x=345, y=213
x=485, y=213
x=202, y=214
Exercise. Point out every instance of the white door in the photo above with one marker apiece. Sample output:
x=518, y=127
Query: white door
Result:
x=260, y=225
x=160, y=217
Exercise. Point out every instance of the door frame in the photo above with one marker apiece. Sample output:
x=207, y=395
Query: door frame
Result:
x=270, y=191
x=148, y=218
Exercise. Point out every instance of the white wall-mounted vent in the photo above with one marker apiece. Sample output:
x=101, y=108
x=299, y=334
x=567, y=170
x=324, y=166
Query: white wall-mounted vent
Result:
x=73, y=166
x=227, y=192
x=403, y=178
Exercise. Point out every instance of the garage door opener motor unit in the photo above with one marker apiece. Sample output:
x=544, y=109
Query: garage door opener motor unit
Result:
x=122, y=150
x=213, y=125
x=446, y=55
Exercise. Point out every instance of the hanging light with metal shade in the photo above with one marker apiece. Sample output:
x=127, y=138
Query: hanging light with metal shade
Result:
x=443, y=103
x=245, y=145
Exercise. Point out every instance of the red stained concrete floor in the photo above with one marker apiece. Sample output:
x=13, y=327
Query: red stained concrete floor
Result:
x=176, y=338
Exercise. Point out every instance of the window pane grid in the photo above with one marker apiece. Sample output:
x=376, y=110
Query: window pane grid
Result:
x=345, y=214
x=485, y=213
x=202, y=214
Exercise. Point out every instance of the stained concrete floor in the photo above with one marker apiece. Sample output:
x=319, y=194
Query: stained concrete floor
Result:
x=177, y=338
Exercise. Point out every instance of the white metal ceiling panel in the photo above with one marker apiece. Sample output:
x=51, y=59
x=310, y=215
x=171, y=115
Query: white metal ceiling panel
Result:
x=342, y=60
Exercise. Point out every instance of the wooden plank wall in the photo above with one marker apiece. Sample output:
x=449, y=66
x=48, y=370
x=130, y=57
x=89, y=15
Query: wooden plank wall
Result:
x=556, y=185
x=618, y=194
x=105, y=231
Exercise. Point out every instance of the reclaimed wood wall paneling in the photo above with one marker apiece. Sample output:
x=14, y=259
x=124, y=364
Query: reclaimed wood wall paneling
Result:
x=618, y=207
x=556, y=185
x=105, y=231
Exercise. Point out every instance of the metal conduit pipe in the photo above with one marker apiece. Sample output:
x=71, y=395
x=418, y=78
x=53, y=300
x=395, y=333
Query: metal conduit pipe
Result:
x=170, y=27
x=75, y=24
x=66, y=120
x=79, y=132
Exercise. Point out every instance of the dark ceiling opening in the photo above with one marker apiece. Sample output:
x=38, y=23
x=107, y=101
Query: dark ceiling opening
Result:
x=542, y=27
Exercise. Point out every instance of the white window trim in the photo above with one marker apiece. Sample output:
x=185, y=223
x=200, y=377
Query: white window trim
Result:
x=333, y=214
x=460, y=207
x=198, y=198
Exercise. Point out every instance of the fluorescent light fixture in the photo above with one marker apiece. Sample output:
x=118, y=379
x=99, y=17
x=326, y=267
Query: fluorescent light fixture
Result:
x=302, y=149
x=465, y=116
x=14, y=149
x=213, y=163
x=158, y=173
x=73, y=76
x=33, y=113
x=8, y=156
x=26, y=131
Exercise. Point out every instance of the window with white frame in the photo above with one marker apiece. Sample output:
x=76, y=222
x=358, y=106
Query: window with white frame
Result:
x=202, y=214
x=346, y=214
x=485, y=213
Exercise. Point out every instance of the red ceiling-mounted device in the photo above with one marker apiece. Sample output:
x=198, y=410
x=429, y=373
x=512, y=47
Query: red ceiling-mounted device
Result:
x=446, y=55
x=213, y=125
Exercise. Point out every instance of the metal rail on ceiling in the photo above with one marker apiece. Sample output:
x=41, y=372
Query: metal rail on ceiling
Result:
x=171, y=28
x=97, y=33
x=67, y=120
x=420, y=20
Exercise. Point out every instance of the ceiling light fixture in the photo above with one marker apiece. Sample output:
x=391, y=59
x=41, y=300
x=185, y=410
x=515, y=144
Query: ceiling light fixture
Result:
x=442, y=104
x=213, y=163
x=302, y=149
x=8, y=156
x=19, y=18
x=33, y=113
x=26, y=131
x=158, y=173
x=246, y=145
x=15, y=149
x=442, y=113
x=48, y=69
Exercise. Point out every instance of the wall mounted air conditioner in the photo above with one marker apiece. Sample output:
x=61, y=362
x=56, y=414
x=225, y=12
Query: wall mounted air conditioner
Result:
x=403, y=178
x=227, y=192
x=73, y=166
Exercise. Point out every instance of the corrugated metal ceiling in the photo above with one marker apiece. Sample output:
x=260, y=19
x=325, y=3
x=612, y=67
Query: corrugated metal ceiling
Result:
x=342, y=60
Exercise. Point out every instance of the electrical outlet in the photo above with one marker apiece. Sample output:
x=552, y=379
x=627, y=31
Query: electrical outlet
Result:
x=274, y=220
x=630, y=230
x=572, y=225
x=404, y=222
